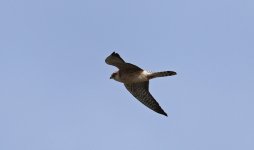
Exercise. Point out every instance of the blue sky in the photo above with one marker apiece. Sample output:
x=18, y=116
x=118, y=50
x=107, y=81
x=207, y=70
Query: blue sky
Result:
x=55, y=87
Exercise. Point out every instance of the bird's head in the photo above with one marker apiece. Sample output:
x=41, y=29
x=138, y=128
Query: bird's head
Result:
x=113, y=75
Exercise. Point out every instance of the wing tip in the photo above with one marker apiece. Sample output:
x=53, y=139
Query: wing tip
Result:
x=117, y=55
x=163, y=113
x=108, y=58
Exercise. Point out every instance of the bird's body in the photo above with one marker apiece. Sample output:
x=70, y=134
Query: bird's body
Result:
x=136, y=80
x=131, y=77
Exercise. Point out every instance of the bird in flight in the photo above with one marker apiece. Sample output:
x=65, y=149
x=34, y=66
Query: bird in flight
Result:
x=136, y=80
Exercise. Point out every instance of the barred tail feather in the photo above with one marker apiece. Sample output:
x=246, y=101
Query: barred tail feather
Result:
x=161, y=74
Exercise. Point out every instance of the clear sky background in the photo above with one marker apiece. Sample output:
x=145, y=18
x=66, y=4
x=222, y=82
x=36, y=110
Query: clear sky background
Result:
x=55, y=92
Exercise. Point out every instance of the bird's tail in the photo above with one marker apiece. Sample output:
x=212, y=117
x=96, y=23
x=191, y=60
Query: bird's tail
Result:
x=161, y=74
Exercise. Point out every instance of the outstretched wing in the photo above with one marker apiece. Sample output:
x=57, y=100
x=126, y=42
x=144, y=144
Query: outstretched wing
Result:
x=115, y=60
x=141, y=92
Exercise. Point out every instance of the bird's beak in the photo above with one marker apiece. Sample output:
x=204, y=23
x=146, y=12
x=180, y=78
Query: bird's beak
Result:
x=111, y=77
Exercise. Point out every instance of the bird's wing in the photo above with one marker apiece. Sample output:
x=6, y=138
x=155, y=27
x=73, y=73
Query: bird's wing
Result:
x=141, y=92
x=115, y=60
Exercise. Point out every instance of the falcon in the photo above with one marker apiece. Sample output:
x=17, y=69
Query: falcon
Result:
x=136, y=80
